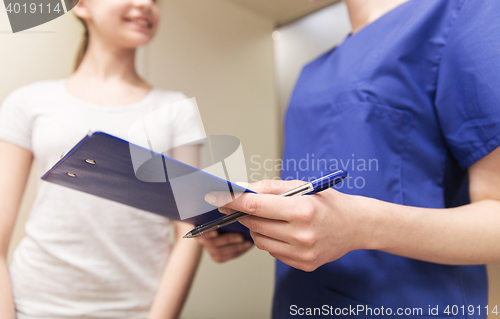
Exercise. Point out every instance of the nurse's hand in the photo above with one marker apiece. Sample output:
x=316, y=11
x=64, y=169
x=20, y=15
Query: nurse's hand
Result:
x=304, y=232
x=224, y=247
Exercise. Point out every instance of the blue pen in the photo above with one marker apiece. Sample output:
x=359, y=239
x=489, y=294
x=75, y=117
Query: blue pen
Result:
x=310, y=188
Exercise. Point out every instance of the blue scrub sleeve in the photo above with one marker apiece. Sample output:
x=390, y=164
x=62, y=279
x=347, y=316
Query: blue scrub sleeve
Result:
x=468, y=85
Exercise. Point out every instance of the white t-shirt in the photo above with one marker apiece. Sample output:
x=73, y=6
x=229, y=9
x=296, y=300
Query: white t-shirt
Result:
x=83, y=256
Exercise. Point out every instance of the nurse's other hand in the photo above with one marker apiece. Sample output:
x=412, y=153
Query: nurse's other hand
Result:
x=224, y=247
x=304, y=232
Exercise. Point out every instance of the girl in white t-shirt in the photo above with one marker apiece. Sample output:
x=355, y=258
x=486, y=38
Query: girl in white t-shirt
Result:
x=83, y=256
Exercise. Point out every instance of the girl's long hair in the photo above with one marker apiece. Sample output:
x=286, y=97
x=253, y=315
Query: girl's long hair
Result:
x=83, y=46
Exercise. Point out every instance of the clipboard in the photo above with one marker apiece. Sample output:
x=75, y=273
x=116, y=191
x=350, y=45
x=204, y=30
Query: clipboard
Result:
x=102, y=165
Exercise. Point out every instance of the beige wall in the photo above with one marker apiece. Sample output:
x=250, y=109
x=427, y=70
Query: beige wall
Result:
x=222, y=54
x=494, y=287
x=212, y=50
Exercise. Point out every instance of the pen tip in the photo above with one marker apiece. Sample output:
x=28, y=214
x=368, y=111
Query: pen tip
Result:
x=187, y=236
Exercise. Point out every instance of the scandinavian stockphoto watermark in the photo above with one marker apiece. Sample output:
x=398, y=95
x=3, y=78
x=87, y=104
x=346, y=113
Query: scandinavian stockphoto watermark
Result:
x=313, y=167
x=26, y=14
x=150, y=141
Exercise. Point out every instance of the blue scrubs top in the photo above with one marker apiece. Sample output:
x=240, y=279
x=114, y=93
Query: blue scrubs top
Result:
x=405, y=105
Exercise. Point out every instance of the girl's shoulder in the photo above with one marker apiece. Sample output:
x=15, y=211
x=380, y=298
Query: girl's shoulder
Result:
x=175, y=103
x=36, y=91
x=167, y=97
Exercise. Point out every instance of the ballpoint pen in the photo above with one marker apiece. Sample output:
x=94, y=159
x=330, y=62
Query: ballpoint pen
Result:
x=310, y=188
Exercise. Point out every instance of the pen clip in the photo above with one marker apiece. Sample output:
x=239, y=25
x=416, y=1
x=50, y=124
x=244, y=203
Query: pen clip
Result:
x=327, y=181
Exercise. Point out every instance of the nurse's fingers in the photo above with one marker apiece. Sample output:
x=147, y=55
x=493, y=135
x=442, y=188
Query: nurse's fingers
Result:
x=271, y=245
x=219, y=198
x=261, y=205
x=275, y=187
x=271, y=228
x=292, y=255
x=226, y=211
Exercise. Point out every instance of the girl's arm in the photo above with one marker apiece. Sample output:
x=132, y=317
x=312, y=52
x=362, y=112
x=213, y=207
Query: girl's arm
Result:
x=183, y=260
x=15, y=164
x=177, y=277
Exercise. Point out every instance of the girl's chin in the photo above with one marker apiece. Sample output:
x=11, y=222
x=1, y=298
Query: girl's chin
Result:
x=134, y=42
